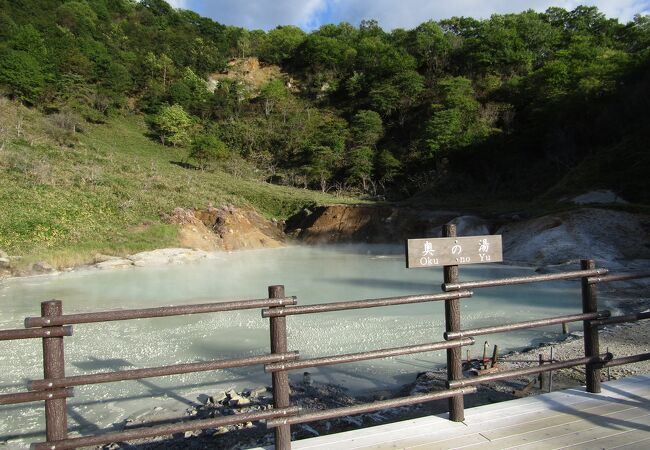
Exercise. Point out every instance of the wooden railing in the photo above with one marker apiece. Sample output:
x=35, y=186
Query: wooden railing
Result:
x=52, y=326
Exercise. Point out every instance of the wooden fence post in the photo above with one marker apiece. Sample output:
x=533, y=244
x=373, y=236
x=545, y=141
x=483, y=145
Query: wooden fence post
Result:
x=452, y=323
x=592, y=348
x=56, y=415
x=280, y=379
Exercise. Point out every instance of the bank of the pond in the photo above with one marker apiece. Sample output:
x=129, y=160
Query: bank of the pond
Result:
x=616, y=239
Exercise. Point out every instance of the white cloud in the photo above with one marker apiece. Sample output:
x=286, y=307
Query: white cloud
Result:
x=260, y=13
x=410, y=13
x=178, y=3
x=391, y=14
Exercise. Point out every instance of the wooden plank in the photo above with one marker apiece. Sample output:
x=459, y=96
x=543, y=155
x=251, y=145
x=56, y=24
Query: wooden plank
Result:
x=511, y=408
x=551, y=420
x=591, y=433
x=642, y=444
x=517, y=406
x=442, y=444
x=541, y=438
x=613, y=441
x=433, y=436
x=540, y=410
x=564, y=418
x=380, y=433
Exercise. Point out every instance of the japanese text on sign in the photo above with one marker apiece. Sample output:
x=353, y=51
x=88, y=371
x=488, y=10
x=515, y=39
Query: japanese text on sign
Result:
x=453, y=251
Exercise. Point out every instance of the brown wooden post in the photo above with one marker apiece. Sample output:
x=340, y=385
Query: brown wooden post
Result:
x=56, y=415
x=280, y=379
x=592, y=348
x=452, y=323
x=542, y=375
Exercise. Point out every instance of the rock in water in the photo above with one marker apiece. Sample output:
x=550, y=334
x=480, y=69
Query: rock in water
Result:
x=42, y=267
x=218, y=398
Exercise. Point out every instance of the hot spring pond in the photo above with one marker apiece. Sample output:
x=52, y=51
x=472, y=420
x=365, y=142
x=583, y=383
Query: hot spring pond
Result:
x=313, y=274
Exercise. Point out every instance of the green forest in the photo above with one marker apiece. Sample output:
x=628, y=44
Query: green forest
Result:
x=514, y=106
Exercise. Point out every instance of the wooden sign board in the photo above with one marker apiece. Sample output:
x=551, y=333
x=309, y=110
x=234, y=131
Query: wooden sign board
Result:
x=453, y=251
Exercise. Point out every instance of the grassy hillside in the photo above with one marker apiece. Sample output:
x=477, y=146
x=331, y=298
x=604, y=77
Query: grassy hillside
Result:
x=507, y=106
x=66, y=195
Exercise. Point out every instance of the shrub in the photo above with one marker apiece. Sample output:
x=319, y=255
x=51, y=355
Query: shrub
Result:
x=207, y=148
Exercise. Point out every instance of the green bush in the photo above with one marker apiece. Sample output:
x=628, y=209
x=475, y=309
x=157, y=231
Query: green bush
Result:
x=207, y=148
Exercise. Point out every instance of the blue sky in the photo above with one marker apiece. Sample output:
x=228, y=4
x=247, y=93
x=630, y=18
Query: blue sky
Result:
x=310, y=14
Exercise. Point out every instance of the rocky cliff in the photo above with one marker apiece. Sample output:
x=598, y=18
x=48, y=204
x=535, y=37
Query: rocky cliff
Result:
x=362, y=223
x=608, y=236
x=226, y=228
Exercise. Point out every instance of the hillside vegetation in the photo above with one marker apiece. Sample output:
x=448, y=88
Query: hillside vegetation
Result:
x=117, y=111
x=103, y=189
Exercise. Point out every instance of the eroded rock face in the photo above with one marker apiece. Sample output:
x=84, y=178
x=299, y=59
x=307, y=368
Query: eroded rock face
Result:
x=361, y=223
x=604, y=235
x=226, y=228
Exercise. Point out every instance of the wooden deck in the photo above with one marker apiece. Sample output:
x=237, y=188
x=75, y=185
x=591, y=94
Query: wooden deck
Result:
x=618, y=418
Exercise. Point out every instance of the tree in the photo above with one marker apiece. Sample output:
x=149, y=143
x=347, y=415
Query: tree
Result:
x=23, y=74
x=7, y=26
x=325, y=53
x=207, y=148
x=77, y=17
x=360, y=166
x=431, y=46
x=456, y=121
x=325, y=147
x=387, y=166
x=273, y=93
x=280, y=43
x=322, y=163
x=398, y=94
x=23, y=64
x=191, y=92
x=173, y=125
x=366, y=128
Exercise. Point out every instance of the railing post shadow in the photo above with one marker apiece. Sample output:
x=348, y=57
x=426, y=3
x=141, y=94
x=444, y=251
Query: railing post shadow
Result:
x=452, y=323
x=280, y=379
x=56, y=415
x=592, y=348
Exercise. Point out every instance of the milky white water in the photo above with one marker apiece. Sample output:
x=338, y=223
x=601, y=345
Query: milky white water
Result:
x=314, y=275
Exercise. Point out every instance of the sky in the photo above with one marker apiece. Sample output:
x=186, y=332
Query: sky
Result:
x=310, y=14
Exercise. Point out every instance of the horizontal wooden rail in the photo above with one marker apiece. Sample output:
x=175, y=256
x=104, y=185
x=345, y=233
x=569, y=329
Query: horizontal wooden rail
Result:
x=152, y=372
x=448, y=287
x=369, y=407
x=361, y=304
x=456, y=384
x=363, y=356
x=525, y=325
x=626, y=360
x=619, y=277
x=10, y=335
x=26, y=397
x=622, y=319
x=164, y=311
x=163, y=430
